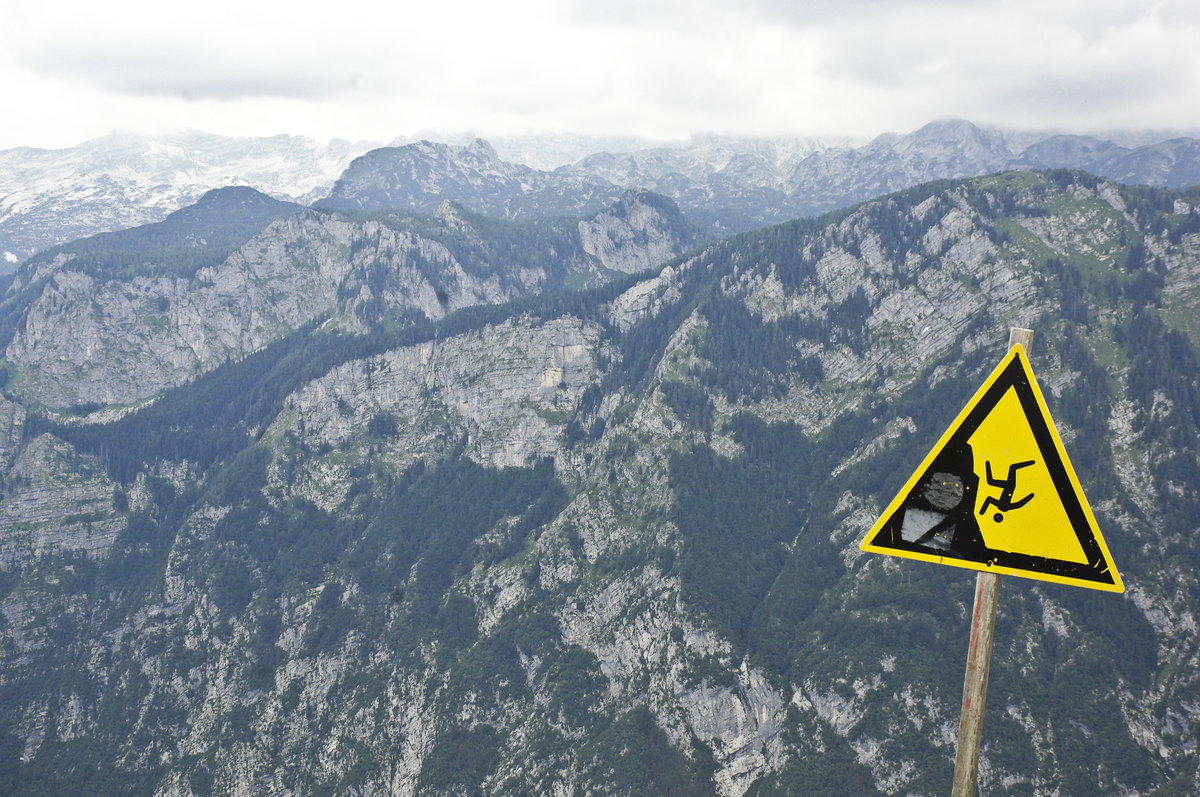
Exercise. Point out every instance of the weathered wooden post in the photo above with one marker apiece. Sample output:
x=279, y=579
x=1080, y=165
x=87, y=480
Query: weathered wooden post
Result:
x=997, y=494
x=979, y=657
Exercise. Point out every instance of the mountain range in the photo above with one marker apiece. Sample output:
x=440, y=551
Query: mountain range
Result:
x=723, y=185
x=52, y=197
x=560, y=493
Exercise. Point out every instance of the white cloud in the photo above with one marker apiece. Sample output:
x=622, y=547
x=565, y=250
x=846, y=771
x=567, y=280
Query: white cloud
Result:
x=365, y=70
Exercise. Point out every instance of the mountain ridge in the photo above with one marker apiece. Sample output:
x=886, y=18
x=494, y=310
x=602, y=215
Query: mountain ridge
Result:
x=606, y=541
x=723, y=184
x=119, y=317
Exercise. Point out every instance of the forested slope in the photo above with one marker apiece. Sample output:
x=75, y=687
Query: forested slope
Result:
x=606, y=541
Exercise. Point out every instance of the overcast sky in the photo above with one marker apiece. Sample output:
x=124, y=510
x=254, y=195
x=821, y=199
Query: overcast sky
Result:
x=70, y=71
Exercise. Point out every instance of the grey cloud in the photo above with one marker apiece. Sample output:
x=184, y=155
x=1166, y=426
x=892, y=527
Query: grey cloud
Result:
x=204, y=67
x=633, y=13
x=1090, y=95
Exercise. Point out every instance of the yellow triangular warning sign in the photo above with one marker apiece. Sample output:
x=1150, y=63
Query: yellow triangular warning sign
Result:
x=998, y=493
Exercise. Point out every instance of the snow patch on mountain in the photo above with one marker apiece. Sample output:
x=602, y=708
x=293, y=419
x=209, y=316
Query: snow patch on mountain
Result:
x=50, y=197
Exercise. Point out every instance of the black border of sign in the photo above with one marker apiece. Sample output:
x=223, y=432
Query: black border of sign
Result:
x=1095, y=569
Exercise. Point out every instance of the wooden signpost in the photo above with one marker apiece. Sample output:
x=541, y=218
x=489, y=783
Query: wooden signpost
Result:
x=996, y=494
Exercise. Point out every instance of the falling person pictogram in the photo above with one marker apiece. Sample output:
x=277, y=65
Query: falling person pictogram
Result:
x=1002, y=459
x=1005, y=502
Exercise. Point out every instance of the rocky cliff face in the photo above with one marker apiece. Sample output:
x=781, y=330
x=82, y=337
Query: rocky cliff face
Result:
x=505, y=392
x=86, y=338
x=607, y=541
x=637, y=234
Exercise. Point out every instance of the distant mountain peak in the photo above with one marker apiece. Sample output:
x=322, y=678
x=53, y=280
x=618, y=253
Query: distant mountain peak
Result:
x=422, y=175
x=125, y=180
x=483, y=149
x=238, y=205
x=234, y=195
